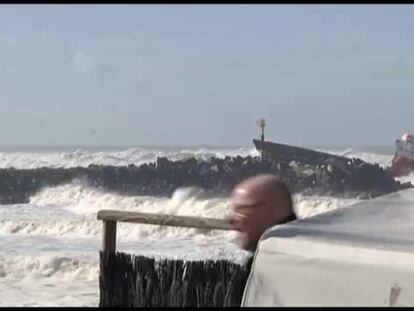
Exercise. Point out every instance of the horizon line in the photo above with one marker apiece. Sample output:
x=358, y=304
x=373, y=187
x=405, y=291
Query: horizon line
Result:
x=184, y=145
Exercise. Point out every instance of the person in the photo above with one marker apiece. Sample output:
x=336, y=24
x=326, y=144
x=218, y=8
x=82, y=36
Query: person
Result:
x=258, y=203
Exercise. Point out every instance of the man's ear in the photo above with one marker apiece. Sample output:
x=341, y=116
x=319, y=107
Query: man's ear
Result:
x=279, y=210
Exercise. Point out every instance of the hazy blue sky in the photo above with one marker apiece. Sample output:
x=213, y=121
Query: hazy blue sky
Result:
x=203, y=74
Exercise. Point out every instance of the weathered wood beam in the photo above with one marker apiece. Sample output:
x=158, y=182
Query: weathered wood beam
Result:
x=164, y=220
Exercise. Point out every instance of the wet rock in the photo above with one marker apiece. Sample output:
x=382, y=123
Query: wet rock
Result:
x=217, y=176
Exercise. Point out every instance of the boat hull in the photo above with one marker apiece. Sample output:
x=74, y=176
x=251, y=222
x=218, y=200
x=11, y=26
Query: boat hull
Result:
x=402, y=166
x=284, y=152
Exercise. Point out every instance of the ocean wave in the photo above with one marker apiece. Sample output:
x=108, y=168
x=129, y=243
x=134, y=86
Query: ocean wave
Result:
x=48, y=279
x=135, y=156
x=41, y=266
x=70, y=210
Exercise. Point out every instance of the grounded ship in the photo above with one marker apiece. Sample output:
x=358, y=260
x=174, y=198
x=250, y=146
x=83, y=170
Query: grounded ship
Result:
x=403, y=161
x=280, y=151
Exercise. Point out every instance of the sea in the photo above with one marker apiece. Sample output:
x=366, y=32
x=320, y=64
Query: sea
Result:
x=49, y=247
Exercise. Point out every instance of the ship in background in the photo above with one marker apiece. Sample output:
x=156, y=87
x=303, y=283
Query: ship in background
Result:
x=284, y=152
x=402, y=163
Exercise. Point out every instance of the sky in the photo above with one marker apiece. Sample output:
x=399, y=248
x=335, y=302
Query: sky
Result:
x=134, y=75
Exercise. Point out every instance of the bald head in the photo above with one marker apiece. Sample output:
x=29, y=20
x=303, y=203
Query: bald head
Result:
x=259, y=203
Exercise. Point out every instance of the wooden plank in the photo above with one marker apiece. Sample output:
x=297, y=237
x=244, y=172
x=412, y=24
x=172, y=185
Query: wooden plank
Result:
x=165, y=220
x=109, y=236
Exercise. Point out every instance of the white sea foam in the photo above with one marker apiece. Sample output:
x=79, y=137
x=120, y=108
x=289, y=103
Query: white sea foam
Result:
x=70, y=210
x=136, y=156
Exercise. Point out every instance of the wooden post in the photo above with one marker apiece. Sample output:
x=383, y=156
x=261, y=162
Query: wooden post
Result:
x=109, y=236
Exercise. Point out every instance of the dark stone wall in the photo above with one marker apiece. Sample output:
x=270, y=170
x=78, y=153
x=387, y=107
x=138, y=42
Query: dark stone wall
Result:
x=216, y=176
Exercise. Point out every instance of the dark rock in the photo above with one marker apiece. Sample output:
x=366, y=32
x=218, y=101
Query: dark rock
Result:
x=216, y=176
